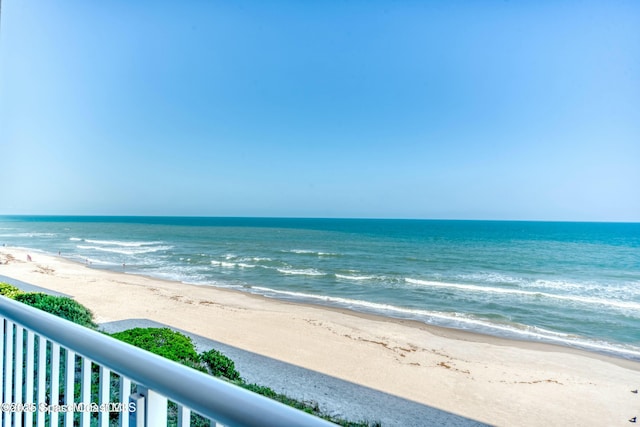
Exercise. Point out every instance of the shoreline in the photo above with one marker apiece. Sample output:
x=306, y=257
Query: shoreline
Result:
x=444, y=331
x=494, y=380
x=612, y=355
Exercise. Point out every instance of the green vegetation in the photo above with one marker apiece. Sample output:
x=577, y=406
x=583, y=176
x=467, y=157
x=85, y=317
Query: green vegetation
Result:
x=64, y=307
x=161, y=341
x=166, y=343
x=220, y=365
x=179, y=348
x=9, y=291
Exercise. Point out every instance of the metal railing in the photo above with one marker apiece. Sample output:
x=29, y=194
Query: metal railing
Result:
x=55, y=372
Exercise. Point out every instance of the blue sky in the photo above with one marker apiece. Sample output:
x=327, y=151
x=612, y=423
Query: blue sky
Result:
x=397, y=109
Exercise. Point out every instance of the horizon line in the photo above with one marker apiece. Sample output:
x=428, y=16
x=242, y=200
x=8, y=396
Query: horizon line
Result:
x=316, y=218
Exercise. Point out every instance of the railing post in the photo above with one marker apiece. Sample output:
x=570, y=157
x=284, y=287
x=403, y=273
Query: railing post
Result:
x=8, y=371
x=125, y=392
x=42, y=378
x=29, y=383
x=155, y=408
x=2, y=355
x=105, y=387
x=17, y=370
x=184, y=416
x=85, y=391
x=136, y=418
x=55, y=382
x=69, y=385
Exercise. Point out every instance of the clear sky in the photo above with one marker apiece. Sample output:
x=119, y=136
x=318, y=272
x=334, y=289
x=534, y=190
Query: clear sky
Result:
x=345, y=108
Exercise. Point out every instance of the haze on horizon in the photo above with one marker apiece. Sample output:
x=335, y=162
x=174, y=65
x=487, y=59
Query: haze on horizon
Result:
x=415, y=109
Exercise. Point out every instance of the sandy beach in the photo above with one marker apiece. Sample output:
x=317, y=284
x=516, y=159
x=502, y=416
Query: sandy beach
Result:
x=492, y=380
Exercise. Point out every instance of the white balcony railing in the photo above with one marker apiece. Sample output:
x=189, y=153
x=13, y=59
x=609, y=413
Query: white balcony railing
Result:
x=55, y=372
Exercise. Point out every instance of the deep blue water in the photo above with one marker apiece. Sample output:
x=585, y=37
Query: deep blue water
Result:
x=575, y=284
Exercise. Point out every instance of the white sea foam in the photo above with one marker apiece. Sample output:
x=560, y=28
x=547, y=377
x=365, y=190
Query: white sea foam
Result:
x=472, y=288
x=245, y=265
x=121, y=243
x=310, y=252
x=253, y=259
x=259, y=260
x=133, y=250
x=490, y=277
x=178, y=274
x=28, y=235
x=301, y=272
x=565, y=285
x=349, y=277
x=223, y=264
x=562, y=285
x=632, y=305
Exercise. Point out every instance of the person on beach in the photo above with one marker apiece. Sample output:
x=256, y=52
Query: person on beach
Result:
x=29, y=258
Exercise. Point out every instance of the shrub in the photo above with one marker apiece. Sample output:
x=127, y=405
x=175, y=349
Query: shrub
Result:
x=9, y=291
x=64, y=307
x=163, y=342
x=220, y=365
x=179, y=348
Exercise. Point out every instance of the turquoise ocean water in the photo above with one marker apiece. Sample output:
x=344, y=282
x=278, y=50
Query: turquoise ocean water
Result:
x=575, y=284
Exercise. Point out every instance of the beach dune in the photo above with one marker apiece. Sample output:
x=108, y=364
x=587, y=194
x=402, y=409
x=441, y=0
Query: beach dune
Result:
x=492, y=380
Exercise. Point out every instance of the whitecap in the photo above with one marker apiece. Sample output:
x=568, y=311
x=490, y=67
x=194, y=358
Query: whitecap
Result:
x=348, y=277
x=121, y=243
x=123, y=251
x=29, y=235
x=301, y=272
x=486, y=289
x=310, y=252
x=223, y=264
x=245, y=265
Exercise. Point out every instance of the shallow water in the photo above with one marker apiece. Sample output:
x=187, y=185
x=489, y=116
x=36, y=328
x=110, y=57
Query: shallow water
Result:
x=575, y=284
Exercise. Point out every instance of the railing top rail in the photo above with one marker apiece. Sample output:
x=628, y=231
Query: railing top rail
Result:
x=211, y=397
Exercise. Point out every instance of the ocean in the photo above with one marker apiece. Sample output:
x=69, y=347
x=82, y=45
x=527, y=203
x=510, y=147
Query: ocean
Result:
x=574, y=284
